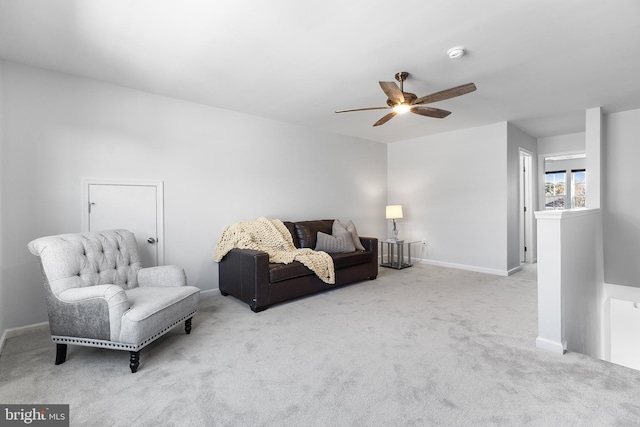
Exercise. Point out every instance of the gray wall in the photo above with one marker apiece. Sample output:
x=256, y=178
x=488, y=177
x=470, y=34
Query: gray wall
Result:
x=565, y=165
x=2, y=309
x=562, y=144
x=218, y=167
x=459, y=191
x=452, y=187
x=620, y=201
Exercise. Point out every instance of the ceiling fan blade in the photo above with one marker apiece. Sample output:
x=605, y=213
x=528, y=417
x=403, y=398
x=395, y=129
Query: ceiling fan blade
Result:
x=445, y=94
x=430, y=112
x=393, y=92
x=362, y=109
x=385, y=119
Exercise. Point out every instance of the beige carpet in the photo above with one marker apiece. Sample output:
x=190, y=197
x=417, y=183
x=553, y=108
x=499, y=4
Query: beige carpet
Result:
x=421, y=346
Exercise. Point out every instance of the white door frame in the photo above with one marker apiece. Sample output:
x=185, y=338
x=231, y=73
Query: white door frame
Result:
x=526, y=201
x=159, y=185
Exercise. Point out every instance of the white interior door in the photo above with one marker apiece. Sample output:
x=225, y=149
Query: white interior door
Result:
x=134, y=207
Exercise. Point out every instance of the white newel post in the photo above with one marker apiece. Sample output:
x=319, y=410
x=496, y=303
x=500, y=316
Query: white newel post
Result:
x=550, y=283
x=570, y=281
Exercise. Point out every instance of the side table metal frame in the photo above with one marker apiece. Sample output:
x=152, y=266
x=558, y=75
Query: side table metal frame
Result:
x=395, y=258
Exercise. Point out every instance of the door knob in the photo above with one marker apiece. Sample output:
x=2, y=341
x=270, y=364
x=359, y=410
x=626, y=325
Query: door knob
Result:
x=151, y=240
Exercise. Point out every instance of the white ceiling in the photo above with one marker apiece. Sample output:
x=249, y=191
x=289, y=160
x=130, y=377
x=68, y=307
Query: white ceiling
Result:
x=536, y=63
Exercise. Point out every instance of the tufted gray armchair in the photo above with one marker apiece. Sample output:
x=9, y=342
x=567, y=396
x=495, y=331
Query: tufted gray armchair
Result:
x=98, y=294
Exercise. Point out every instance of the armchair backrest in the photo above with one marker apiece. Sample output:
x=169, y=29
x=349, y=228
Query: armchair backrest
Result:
x=88, y=259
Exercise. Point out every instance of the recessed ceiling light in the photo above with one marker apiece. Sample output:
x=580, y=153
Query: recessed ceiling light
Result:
x=456, y=52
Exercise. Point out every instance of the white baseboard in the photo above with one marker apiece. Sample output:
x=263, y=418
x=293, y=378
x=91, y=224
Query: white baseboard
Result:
x=550, y=345
x=3, y=338
x=514, y=270
x=493, y=271
x=210, y=291
x=22, y=330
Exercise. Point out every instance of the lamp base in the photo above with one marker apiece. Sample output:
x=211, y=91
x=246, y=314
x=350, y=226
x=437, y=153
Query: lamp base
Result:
x=394, y=234
x=391, y=240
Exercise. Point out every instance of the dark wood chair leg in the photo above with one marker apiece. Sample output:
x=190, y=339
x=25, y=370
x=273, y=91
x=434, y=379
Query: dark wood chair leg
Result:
x=61, y=353
x=134, y=361
x=187, y=325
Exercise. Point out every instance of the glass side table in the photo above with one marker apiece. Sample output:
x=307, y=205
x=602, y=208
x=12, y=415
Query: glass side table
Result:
x=395, y=257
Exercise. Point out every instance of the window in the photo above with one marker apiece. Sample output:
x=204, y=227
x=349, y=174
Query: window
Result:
x=564, y=186
x=565, y=182
x=555, y=190
x=578, y=188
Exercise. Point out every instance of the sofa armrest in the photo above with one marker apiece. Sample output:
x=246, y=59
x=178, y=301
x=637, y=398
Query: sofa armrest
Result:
x=90, y=312
x=162, y=276
x=371, y=245
x=244, y=273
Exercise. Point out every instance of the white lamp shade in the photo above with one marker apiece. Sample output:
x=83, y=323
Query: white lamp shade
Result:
x=394, y=211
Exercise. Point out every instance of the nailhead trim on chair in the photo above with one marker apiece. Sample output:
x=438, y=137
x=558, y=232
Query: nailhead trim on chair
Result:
x=116, y=345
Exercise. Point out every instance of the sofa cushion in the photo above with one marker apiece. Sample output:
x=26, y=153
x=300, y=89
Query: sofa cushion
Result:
x=347, y=260
x=280, y=272
x=307, y=231
x=341, y=243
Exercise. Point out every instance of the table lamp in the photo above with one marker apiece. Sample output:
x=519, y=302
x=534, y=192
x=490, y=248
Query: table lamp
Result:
x=394, y=212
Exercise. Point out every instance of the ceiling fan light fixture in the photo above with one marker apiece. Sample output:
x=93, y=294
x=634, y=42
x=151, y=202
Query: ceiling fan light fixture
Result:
x=402, y=108
x=456, y=52
x=400, y=101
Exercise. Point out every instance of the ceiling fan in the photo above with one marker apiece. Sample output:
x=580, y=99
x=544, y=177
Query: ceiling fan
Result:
x=401, y=102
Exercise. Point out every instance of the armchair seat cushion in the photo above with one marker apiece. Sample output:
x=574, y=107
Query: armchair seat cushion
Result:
x=153, y=310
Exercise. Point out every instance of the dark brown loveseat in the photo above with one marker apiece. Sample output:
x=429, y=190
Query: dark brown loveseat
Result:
x=247, y=274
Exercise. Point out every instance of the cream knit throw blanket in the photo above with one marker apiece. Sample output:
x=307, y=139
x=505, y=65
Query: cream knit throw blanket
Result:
x=273, y=237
